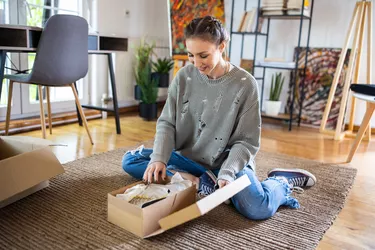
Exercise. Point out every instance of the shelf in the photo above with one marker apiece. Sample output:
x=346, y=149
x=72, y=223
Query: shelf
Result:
x=250, y=33
x=109, y=107
x=272, y=67
x=287, y=17
x=284, y=117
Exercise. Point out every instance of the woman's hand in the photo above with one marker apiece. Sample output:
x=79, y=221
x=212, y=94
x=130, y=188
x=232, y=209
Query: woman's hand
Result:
x=222, y=183
x=154, y=169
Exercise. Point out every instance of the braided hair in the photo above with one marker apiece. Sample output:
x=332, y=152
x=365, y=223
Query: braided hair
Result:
x=207, y=28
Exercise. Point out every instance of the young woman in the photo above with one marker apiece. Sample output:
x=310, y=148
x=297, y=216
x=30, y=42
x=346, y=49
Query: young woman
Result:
x=209, y=129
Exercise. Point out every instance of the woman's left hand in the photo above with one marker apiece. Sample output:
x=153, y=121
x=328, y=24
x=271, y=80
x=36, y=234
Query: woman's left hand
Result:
x=222, y=183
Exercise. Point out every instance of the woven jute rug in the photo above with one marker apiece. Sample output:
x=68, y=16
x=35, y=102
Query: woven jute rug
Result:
x=72, y=212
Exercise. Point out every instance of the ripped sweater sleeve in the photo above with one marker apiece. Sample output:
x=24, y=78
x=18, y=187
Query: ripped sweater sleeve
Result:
x=164, y=141
x=244, y=142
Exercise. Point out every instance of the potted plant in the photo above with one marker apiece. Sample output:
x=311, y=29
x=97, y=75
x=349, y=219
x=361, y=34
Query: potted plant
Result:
x=147, y=84
x=161, y=71
x=143, y=53
x=273, y=104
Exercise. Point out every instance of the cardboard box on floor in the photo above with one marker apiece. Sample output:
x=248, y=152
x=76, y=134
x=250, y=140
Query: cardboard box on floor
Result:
x=26, y=165
x=168, y=213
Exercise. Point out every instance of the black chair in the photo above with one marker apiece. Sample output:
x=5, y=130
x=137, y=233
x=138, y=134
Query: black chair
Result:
x=61, y=59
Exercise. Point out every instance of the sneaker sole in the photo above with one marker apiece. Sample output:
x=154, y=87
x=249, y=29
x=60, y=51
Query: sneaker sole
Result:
x=298, y=170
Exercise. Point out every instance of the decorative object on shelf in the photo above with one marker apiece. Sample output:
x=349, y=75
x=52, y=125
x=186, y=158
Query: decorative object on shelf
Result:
x=273, y=104
x=147, y=84
x=313, y=93
x=277, y=64
x=247, y=65
x=161, y=70
x=362, y=14
x=183, y=11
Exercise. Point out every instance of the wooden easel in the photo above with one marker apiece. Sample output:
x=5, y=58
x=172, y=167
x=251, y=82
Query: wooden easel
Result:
x=177, y=59
x=362, y=10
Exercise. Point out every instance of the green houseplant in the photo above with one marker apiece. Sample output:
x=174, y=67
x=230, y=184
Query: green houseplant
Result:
x=146, y=83
x=161, y=71
x=273, y=104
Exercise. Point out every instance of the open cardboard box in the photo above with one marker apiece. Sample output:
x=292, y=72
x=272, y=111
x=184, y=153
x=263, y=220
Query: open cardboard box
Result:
x=173, y=211
x=26, y=165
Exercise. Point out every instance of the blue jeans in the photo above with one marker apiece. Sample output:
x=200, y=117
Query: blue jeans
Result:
x=258, y=201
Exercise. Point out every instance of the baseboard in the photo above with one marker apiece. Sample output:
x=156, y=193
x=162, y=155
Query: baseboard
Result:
x=33, y=123
x=356, y=128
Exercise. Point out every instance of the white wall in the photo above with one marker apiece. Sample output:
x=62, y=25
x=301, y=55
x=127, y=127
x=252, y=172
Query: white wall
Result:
x=330, y=23
x=150, y=17
x=145, y=18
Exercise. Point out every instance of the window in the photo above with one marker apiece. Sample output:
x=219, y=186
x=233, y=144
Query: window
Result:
x=4, y=18
x=4, y=13
x=40, y=10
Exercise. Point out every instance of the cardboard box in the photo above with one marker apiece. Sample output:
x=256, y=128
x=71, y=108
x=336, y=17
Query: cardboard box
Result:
x=168, y=213
x=26, y=165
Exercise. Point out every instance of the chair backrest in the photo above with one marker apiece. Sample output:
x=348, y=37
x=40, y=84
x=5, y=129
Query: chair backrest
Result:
x=62, y=54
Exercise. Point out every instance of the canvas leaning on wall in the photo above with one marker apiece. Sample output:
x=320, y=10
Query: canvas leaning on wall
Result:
x=320, y=70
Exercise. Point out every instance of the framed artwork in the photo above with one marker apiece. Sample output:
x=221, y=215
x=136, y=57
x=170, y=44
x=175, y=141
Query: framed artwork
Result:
x=320, y=71
x=183, y=11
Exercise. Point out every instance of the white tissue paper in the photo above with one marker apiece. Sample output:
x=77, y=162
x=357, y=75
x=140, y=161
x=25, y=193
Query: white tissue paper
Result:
x=155, y=191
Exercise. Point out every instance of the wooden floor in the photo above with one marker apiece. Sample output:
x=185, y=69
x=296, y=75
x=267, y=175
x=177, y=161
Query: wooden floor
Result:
x=353, y=229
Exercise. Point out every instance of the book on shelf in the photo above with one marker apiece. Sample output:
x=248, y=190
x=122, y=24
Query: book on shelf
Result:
x=248, y=21
x=287, y=7
x=285, y=3
x=306, y=12
x=242, y=21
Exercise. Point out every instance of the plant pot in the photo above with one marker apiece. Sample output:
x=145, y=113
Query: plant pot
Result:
x=137, y=92
x=148, y=111
x=162, y=79
x=272, y=107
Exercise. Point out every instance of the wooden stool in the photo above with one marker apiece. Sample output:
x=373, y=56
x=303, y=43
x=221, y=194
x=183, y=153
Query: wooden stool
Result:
x=370, y=99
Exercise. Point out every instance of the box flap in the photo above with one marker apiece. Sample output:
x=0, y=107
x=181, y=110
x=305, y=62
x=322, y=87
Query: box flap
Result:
x=152, y=214
x=204, y=205
x=35, y=142
x=26, y=170
x=14, y=145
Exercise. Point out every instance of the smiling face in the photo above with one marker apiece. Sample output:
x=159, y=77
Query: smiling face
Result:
x=203, y=54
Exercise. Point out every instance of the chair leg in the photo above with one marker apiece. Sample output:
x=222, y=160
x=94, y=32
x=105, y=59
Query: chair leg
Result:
x=9, y=107
x=42, y=117
x=81, y=112
x=362, y=130
x=49, y=111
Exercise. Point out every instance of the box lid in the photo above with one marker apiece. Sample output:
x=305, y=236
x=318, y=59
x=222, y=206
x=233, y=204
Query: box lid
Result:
x=25, y=170
x=202, y=206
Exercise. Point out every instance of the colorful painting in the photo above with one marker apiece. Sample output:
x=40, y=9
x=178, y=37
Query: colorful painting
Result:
x=320, y=71
x=183, y=11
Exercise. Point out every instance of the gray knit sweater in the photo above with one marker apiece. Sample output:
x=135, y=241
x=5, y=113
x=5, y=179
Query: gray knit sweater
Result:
x=214, y=122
